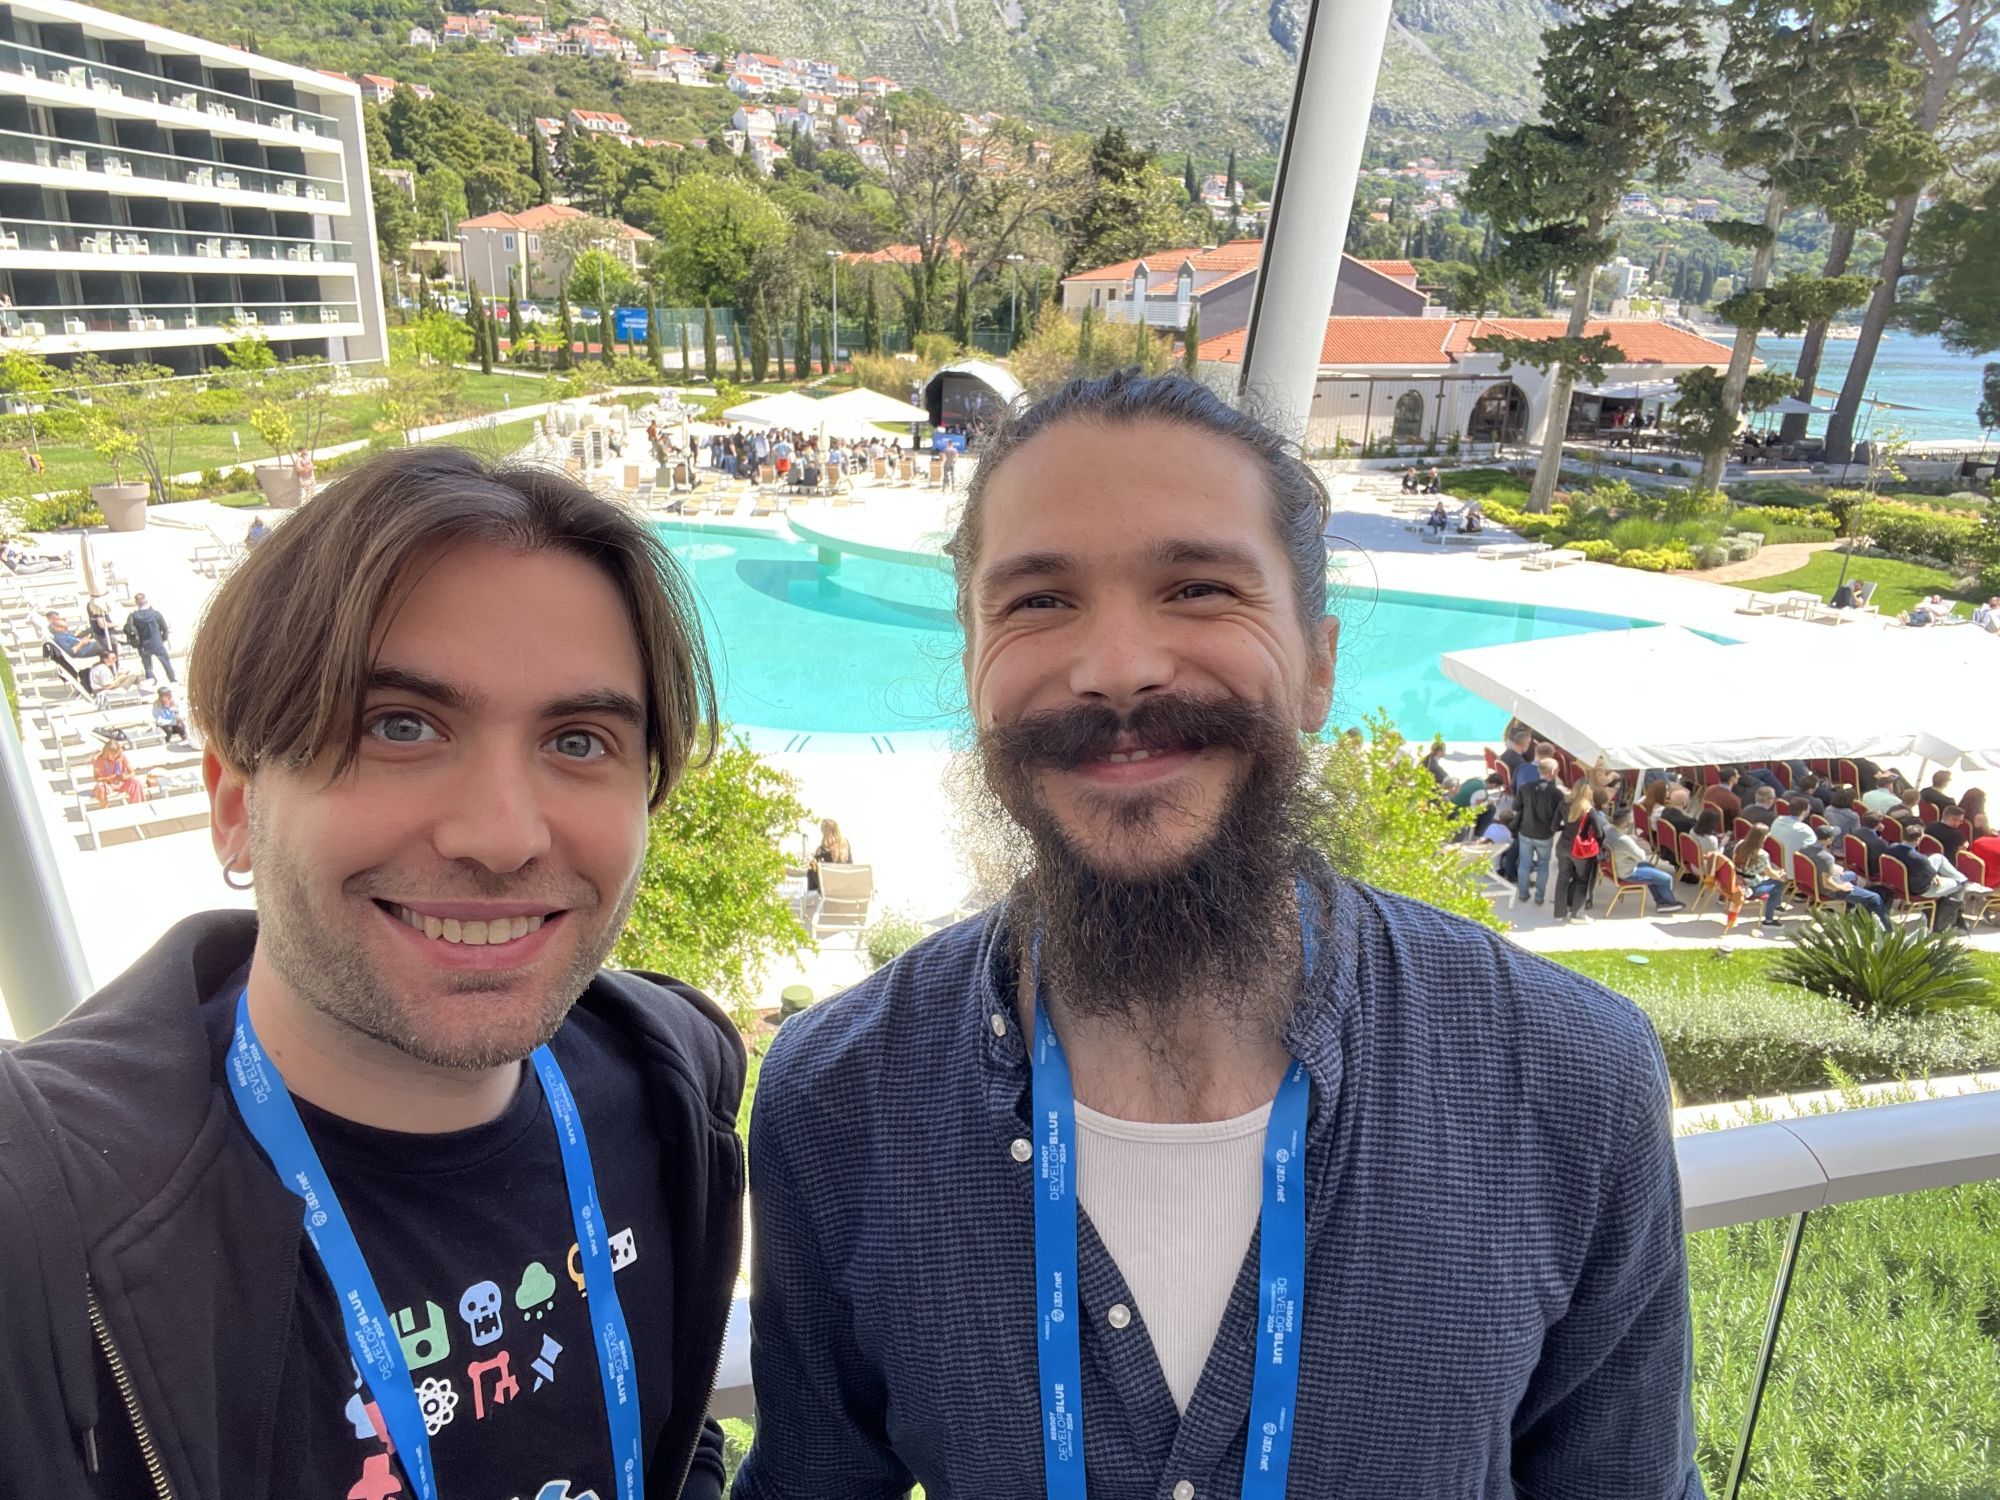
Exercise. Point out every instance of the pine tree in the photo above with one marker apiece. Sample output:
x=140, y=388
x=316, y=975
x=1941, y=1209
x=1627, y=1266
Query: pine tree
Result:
x=539, y=166
x=1085, y=336
x=802, y=341
x=607, y=330
x=564, y=330
x=760, y=339
x=1190, y=357
x=871, y=318
x=708, y=340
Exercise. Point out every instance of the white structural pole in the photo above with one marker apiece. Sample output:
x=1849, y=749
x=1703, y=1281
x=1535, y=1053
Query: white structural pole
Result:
x=42, y=971
x=1340, y=54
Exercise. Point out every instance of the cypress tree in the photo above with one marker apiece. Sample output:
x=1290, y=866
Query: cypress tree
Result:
x=513, y=311
x=802, y=342
x=539, y=166
x=760, y=339
x=1142, y=345
x=563, y=324
x=1188, y=181
x=708, y=340
x=687, y=364
x=1230, y=193
x=474, y=306
x=961, y=322
x=653, y=348
x=607, y=331
x=1190, y=365
x=736, y=341
x=871, y=319
x=1084, y=338
x=826, y=349
x=492, y=344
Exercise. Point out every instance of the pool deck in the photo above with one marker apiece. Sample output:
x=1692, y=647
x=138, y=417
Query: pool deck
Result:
x=891, y=799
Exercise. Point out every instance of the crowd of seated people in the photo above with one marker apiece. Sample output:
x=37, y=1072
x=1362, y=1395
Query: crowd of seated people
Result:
x=1554, y=823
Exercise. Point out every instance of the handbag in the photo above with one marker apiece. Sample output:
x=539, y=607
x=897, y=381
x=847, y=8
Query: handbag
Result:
x=1583, y=843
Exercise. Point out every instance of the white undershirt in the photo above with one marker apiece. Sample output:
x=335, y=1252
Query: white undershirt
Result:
x=1176, y=1206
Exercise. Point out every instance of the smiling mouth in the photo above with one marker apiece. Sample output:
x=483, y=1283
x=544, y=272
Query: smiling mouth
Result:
x=493, y=932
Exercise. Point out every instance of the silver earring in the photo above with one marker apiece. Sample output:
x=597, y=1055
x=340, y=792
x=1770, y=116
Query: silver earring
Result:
x=231, y=870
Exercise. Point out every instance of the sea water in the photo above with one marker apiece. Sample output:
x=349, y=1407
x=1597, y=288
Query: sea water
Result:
x=1935, y=391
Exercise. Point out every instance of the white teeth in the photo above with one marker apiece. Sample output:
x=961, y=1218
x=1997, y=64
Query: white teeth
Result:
x=471, y=934
x=1122, y=757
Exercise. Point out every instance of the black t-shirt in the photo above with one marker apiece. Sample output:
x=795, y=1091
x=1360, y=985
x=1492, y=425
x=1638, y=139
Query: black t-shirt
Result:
x=1953, y=839
x=468, y=1236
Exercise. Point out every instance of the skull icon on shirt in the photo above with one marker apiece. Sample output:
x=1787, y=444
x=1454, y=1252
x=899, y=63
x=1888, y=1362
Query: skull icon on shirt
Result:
x=480, y=1308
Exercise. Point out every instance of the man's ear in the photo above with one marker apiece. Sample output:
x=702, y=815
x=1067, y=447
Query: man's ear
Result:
x=228, y=811
x=1319, y=686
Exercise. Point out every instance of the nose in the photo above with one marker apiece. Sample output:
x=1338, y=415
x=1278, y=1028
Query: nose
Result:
x=492, y=813
x=1122, y=654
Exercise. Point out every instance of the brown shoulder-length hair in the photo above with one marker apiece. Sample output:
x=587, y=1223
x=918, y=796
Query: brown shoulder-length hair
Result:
x=282, y=659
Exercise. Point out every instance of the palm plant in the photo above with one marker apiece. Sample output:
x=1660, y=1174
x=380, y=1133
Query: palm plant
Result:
x=1883, y=972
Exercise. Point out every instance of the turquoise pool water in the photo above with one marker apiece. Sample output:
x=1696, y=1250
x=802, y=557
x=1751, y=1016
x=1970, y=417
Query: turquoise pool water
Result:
x=872, y=648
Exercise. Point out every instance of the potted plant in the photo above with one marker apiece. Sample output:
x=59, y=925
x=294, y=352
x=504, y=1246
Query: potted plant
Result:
x=123, y=502
x=278, y=480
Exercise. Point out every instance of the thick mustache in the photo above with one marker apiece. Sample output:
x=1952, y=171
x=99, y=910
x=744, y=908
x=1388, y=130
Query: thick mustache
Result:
x=1064, y=738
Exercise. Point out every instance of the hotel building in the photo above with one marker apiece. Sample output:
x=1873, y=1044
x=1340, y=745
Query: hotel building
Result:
x=159, y=194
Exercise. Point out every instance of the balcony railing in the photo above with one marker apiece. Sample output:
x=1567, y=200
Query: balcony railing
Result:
x=71, y=320
x=123, y=239
x=156, y=166
x=102, y=78
x=1159, y=312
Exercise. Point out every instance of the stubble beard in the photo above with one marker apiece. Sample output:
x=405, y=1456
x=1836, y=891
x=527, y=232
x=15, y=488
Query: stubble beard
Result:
x=332, y=974
x=1210, y=932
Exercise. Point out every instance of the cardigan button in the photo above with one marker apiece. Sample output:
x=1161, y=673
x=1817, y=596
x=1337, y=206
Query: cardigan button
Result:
x=1023, y=1149
x=1119, y=1316
x=1184, y=1490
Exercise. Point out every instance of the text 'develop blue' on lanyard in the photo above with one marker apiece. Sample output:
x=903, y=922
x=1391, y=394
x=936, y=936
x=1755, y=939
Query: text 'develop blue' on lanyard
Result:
x=267, y=1108
x=1281, y=1267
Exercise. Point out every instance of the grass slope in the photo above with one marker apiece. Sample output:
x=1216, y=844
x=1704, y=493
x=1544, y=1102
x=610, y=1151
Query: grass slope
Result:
x=1900, y=584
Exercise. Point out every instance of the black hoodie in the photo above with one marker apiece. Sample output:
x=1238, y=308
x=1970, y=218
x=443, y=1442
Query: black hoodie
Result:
x=141, y=1232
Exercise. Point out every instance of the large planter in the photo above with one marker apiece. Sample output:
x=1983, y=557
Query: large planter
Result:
x=280, y=484
x=124, y=505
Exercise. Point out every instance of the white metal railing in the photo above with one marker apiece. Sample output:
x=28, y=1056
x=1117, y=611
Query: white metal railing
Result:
x=125, y=162
x=133, y=239
x=75, y=320
x=1159, y=312
x=1784, y=1169
x=153, y=88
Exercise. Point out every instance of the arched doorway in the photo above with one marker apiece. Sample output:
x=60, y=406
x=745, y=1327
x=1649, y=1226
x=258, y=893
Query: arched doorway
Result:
x=1409, y=418
x=1499, y=416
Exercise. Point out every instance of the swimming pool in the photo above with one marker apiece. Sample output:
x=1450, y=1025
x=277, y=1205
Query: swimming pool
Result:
x=871, y=648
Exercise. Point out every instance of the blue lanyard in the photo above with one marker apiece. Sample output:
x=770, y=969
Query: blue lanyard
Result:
x=267, y=1108
x=1281, y=1270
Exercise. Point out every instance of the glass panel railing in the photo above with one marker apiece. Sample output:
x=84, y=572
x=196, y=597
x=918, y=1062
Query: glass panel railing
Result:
x=75, y=72
x=64, y=320
x=121, y=239
x=157, y=166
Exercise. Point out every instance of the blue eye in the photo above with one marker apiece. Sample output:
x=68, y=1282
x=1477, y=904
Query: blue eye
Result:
x=578, y=744
x=402, y=729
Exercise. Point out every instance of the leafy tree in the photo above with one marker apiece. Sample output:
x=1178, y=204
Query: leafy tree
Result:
x=717, y=231
x=136, y=411
x=1950, y=39
x=440, y=202
x=708, y=341
x=1989, y=398
x=32, y=382
x=736, y=344
x=540, y=168
x=709, y=908
x=1190, y=356
x=475, y=315
x=1625, y=90
x=871, y=317
x=1188, y=183
x=1956, y=248
x=395, y=218
x=1387, y=825
x=1131, y=208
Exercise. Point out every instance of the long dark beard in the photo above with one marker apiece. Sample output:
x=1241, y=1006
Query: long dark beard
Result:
x=1213, y=932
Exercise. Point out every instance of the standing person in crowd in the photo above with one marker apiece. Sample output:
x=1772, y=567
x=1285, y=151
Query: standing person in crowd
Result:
x=97, y=615
x=1578, y=843
x=1539, y=810
x=1756, y=879
x=302, y=471
x=1184, y=1070
x=1515, y=756
x=950, y=469
x=1630, y=861
x=146, y=630
x=1834, y=881
x=388, y=1188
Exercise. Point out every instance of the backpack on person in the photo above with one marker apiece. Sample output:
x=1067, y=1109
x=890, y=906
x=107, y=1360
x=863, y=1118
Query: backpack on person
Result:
x=132, y=633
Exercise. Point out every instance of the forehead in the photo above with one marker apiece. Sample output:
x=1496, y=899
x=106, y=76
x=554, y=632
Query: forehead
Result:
x=512, y=623
x=1098, y=490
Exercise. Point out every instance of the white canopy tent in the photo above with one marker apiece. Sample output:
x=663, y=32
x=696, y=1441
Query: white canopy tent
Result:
x=787, y=409
x=862, y=406
x=1664, y=696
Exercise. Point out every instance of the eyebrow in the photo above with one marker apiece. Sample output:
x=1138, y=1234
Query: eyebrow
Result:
x=604, y=702
x=1171, y=552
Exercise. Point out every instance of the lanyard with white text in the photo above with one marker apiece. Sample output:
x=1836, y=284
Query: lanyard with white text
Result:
x=1281, y=1266
x=267, y=1108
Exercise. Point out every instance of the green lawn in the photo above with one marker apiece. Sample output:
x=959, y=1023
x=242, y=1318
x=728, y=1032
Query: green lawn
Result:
x=1901, y=584
x=72, y=465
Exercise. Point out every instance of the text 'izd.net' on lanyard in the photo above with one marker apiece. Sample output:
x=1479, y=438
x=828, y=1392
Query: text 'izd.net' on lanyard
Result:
x=1281, y=1267
x=267, y=1108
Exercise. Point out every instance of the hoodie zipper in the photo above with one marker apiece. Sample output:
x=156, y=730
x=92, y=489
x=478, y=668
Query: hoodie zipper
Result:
x=707, y=1397
x=156, y=1470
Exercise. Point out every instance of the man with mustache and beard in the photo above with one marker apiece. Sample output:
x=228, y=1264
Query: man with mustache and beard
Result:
x=1192, y=1169
x=387, y=1188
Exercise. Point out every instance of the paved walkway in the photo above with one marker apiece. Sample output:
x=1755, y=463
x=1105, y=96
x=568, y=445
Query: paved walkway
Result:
x=1779, y=557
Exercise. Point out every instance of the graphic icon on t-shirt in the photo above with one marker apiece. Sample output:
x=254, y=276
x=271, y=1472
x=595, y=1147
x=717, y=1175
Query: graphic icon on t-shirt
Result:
x=426, y=1345
x=574, y=1265
x=437, y=1401
x=377, y=1482
x=480, y=1307
x=537, y=1292
x=357, y=1417
x=624, y=1249
x=558, y=1489
x=505, y=1389
x=545, y=1363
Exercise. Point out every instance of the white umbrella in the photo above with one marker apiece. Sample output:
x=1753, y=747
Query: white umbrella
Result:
x=861, y=405
x=1792, y=406
x=92, y=586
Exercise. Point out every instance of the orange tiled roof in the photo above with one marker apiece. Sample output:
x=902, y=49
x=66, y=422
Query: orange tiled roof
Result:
x=1642, y=341
x=540, y=217
x=896, y=255
x=1396, y=268
x=1444, y=341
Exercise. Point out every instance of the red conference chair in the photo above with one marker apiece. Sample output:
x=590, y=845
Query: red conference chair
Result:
x=1805, y=880
x=1710, y=776
x=1624, y=888
x=1977, y=907
x=1928, y=845
x=1891, y=830
x=1729, y=887
x=1849, y=776
x=1689, y=855
x=1855, y=857
x=1814, y=820
x=1821, y=767
x=1492, y=760
x=1642, y=821
x=1896, y=880
x=1783, y=772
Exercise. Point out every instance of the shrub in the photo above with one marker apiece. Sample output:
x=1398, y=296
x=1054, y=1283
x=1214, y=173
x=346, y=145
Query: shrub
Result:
x=1921, y=536
x=1596, y=549
x=1898, y=971
x=1742, y=549
x=57, y=511
x=1388, y=826
x=1710, y=555
x=890, y=936
x=1644, y=561
x=1989, y=580
x=708, y=909
x=1786, y=525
